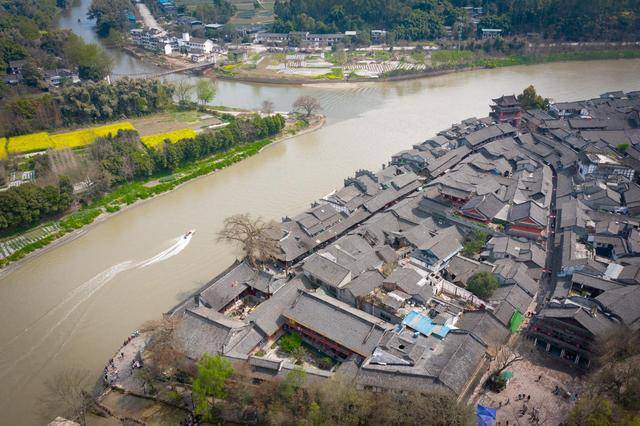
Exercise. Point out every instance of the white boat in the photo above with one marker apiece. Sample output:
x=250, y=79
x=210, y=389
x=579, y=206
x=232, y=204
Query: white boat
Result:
x=189, y=234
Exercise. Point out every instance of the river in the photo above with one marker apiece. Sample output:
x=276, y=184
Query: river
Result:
x=72, y=306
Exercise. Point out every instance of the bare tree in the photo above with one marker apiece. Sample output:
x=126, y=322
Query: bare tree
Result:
x=267, y=107
x=68, y=395
x=183, y=90
x=308, y=104
x=162, y=351
x=258, y=239
x=505, y=358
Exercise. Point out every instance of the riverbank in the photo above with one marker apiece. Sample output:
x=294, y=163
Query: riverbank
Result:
x=458, y=64
x=128, y=196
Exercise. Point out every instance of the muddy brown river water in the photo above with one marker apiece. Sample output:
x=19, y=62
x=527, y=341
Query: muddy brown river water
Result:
x=72, y=306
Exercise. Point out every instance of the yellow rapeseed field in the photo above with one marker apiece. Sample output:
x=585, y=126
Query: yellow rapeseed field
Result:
x=29, y=143
x=3, y=148
x=84, y=137
x=78, y=138
x=154, y=141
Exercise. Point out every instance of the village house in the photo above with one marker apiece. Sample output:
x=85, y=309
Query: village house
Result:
x=600, y=166
x=528, y=220
x=568, y=332
x=506, y=109
x=372, y=275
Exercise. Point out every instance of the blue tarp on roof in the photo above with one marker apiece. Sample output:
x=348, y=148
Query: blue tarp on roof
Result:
x=485, y=416
x=419, y=323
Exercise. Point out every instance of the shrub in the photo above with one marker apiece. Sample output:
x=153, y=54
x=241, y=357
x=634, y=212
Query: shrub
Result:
x=496, y=382
x=299, y=355
x=325, y=363
x=290, y=343
x=622, y=148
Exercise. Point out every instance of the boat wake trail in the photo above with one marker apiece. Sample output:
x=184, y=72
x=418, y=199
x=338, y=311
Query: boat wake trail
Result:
x=88, y=289
x=179, y=244
x=59, y=314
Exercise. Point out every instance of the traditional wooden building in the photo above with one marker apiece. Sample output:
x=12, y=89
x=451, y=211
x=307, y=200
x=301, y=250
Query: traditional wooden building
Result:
x=506, y=109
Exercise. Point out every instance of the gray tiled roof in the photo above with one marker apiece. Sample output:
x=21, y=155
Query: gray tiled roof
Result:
x=516, y=273
x=228, y=287
x=267, y=316
x=464, y=268
x=594, y=282
x=485, y=326
x=488, y=205
x=327, y=271
x=349, y=327
x=364, y=284
x=202, y=330
x=596, y=325
x=445, y=243
x=623, y=302
x=447, y=365
x=509, y=298
x=530, y=210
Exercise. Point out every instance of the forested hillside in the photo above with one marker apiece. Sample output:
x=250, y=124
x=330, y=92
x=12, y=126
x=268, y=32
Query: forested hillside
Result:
x=28, y=34
x=572, y=20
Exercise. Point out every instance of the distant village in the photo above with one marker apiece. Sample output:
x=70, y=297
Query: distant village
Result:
x=374, y=275
x=217, y=43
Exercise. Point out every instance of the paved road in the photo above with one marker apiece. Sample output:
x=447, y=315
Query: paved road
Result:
x=148, y=18
x=549, y=279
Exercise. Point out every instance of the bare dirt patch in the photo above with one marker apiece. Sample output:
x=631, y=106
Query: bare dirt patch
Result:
x=170, y=121
x=536, y=394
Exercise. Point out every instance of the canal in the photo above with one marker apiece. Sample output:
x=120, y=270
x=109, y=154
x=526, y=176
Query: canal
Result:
x=71, y=307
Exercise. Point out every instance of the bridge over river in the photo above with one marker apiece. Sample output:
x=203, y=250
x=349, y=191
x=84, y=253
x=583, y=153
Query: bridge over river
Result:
x=161, y=72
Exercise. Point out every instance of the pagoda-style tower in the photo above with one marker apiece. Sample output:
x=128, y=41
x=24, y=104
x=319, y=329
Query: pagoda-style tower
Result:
x=506, y=109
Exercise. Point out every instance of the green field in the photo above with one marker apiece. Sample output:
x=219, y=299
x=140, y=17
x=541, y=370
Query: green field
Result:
x=246, y=14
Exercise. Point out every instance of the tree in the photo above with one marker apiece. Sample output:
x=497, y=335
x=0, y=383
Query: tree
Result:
x=259, y=239
x=292, y=382
x=307, y=104
x=68, y=395
x=183, y=90
x=289, y=343
x=109, y=14
x=205, y=91
x=529, y=99
x=267, y=107
x=92, y=61
x=475, y=243
x=210, y=384
x=32, y=75
x=483, y=284
x=161, y=349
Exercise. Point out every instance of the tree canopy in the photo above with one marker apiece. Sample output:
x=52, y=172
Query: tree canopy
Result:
x=213, y=372
x=425, y=19
x=529, y=99
x=612, y=391
x=483, y=284
x=110, y=15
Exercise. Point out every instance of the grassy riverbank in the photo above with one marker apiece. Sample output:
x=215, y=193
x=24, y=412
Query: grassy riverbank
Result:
x=451, y=59
x=404, y=65
x=129, y=193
